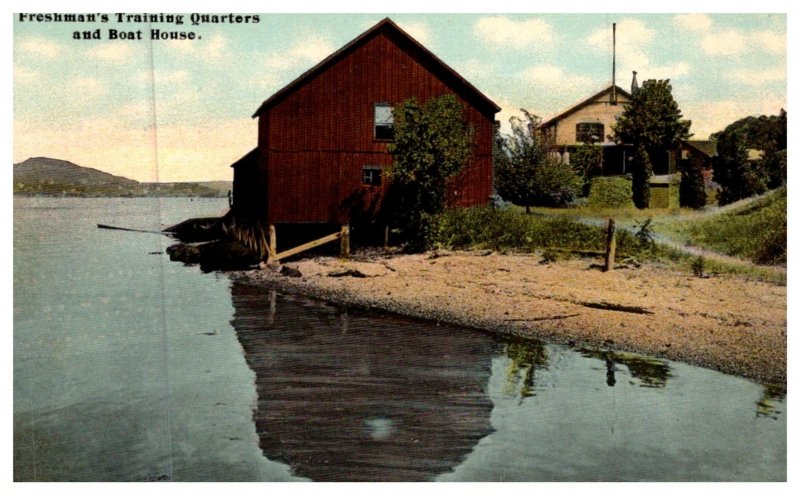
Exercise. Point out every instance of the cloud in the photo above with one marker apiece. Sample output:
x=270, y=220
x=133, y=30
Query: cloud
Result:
x=667, y=71
x=309, y=51
x=505, y=32
x=40, y=47
x=213, y=48
x=770, y=41
x=633, y=38
x=555, y=88
x=697, y=23
x=729, y=41
x=186, y=152
x=713, y=116
x=84, y=85
x=725, y=42
x=115, y=52
x=23, y=75
x=420, y=31
x=631, y=33
x=757, y=77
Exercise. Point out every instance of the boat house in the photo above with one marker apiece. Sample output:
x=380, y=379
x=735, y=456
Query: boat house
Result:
x=322, y=139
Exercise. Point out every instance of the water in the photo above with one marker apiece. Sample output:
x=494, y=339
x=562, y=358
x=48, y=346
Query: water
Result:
x=128, y=367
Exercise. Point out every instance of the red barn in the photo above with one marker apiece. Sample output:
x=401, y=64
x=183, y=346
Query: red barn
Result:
x=322, y=139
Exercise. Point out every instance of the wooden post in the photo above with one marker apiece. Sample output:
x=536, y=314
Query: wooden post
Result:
x=345, y=241
x=273, y=242
x=386, y=237
x=611, y=245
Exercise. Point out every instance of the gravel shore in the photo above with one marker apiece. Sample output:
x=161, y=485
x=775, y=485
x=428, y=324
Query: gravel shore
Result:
x=723, y=323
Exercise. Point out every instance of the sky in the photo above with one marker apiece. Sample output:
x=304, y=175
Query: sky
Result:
x=181, y=110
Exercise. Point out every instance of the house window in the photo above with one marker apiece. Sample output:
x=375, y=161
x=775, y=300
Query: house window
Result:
x=371, y=175
x=589, y=133
x=384, y=121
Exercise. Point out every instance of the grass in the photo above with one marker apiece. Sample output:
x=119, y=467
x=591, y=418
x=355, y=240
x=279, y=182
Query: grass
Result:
x=559, y=233
x=754, y=230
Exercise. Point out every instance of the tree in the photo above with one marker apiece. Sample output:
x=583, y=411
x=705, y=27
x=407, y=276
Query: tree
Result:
x=525, y=172
x=587, y=161
x=692, y=190
x=738, y=174
x=653, y=123
x=432, y=143
x=641, y=171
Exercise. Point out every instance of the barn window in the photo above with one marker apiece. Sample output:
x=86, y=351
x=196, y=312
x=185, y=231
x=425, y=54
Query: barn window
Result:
x=589, y=133
x=371, y=175
x=384, y=121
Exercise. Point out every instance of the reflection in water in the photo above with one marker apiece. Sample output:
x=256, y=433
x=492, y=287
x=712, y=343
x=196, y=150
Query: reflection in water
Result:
x=526, y=357
x=652, y=373
x=342, y=396
x=766, y=407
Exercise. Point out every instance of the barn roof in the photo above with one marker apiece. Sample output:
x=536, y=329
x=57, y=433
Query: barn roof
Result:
x=707, y=147
x=583, y=104
x=384, y=25
x=248, y=159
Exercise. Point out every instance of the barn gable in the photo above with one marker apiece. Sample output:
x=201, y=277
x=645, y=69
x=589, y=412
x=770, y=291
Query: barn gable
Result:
x=321, y=150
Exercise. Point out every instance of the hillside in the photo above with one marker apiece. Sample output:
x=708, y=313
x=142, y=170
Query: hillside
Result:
x=55, y=177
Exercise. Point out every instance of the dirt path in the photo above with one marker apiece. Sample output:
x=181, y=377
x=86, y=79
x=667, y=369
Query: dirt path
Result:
x=728, y=324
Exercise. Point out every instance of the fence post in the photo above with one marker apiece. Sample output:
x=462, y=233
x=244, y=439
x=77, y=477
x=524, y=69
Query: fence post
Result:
x=611, y=245
x=273, y=243
x=386, y=237
x=345, y=241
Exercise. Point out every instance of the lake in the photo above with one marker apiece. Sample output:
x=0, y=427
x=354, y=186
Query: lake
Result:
x=129, y=367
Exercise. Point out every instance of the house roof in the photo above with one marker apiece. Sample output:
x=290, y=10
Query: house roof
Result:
x=246, y=160
x=707, y=147
x=385, y=24
x=584, y=103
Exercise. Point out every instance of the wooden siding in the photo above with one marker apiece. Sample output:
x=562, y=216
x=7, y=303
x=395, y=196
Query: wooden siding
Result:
x=315, y=140
x=599, y=110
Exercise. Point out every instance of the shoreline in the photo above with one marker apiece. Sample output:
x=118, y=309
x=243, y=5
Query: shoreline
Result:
x=728, y=324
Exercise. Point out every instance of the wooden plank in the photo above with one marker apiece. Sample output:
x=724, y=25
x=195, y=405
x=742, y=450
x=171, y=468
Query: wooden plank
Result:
x=308, y=246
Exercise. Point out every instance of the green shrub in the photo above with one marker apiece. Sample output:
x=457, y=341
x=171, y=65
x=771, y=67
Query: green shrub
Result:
x=756, y=231
x=486, y=228
x=610, y=192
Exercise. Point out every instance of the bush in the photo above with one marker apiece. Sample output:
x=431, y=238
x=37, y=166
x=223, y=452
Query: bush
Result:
x=756, y=231
x=485, y=228
x=610, y=192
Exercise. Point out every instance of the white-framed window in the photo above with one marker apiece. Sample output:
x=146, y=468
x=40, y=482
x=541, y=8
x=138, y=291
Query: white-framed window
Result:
x=384, y=121
x=372, y=175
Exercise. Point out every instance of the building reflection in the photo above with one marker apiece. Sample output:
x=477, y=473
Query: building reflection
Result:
x=356, y=397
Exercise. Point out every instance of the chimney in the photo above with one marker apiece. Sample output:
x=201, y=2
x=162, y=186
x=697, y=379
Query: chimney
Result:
x=634, y=85
x=614, y=65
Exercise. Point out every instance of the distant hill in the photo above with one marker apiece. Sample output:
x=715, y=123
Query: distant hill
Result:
x=55, y=177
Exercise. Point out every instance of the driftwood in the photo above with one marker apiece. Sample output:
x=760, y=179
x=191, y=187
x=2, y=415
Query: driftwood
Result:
x=550, y=318
x=616, y=308
x=348, y=273
x=111, y=227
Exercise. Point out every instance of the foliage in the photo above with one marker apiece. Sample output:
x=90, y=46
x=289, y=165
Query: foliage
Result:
x=485, y=228
x=610, y=192
x=641, y=171
x=644, y=234
x=740, y=176
x=652, y=120
x=692, y=190
x=756, y=231
x=432, y=143
x=525, y=172
x=699, y=266
x=587, y=161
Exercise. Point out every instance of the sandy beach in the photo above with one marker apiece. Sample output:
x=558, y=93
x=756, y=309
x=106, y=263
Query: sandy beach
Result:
x=725, y=323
